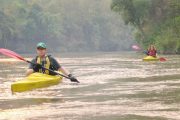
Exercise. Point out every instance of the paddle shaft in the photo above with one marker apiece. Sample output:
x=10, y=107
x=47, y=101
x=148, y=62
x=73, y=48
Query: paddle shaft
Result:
x=48, y=69
x=17, y=56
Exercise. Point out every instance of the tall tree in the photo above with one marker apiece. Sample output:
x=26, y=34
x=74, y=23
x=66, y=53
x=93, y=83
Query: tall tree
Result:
x=156, y=20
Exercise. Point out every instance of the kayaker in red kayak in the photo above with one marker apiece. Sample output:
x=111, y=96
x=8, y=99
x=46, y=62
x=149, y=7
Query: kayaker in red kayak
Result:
x=47, y=61
x=151, y=51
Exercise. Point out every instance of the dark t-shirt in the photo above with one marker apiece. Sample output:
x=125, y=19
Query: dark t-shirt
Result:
x=54, y=65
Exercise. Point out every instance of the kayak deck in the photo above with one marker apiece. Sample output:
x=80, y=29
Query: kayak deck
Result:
x=35, y=80
x=150, y=58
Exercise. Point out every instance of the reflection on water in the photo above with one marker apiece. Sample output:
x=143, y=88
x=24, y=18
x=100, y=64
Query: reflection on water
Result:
x=26, y=102
x=114, y=86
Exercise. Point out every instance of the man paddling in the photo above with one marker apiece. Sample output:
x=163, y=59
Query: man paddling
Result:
x=47, y=61
x=151, y=51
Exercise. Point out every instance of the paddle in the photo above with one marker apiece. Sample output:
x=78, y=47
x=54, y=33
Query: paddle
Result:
x=162, y=59
x=17, y=56
x=137, y=48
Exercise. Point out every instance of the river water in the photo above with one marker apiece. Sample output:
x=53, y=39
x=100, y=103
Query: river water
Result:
x=114, y=86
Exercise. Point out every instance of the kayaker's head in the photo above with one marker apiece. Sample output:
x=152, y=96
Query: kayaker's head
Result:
x=152, y=47
x=41, y=49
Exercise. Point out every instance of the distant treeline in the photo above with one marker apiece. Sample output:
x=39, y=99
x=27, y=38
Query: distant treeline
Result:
x=65, y=25
x=156, y=22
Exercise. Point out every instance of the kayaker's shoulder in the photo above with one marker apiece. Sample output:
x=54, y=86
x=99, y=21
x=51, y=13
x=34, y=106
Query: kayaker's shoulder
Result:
x=51, y=57
x=34, y=59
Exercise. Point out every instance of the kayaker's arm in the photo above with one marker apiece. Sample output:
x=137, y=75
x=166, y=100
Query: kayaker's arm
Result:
x=29, y=71
x=32, y=69
x=156, y=54
x=64, y=71
x=67, y=73
x=58, y=67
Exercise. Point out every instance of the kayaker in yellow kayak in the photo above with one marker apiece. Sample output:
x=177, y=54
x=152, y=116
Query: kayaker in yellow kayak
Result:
x=151, y=51
x=47, y=61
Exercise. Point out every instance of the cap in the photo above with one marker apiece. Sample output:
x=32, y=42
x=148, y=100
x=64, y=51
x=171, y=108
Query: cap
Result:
x=41, y=45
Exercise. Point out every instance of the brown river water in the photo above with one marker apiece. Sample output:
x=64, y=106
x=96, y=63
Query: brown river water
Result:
x=114, y=86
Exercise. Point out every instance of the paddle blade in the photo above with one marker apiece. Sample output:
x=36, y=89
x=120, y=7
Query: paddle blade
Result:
x=135, y=47
x=162, y=59
x=11, y=54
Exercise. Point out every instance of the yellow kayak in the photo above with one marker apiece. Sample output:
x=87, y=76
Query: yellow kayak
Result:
x=150, y=58
x=35, y=80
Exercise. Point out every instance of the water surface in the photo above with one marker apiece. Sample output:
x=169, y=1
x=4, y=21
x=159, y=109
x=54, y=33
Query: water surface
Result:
x=114, y=86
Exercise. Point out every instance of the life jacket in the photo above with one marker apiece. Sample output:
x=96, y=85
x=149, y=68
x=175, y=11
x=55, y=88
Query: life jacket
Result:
x=152, y=53
x=45, y=62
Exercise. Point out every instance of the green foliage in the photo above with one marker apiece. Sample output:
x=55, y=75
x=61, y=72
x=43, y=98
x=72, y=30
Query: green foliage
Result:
x=65, y=25
x=156, y=22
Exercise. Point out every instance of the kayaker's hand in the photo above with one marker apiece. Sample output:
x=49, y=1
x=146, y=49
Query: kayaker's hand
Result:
x=145, y=52
x=37, y=66
x=72, y=78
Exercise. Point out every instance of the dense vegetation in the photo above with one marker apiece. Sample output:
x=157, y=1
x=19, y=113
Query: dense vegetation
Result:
x=65, y=25
x=156, y=22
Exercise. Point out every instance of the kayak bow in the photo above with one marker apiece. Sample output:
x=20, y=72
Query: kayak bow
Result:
x=34, y=81
x=150, y=58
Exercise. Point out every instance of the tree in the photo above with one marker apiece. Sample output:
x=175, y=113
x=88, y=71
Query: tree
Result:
x=133, y=12
x=156, y=20
x=65, y=25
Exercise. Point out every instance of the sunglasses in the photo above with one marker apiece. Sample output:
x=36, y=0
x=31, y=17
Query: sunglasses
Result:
x=41, y=48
